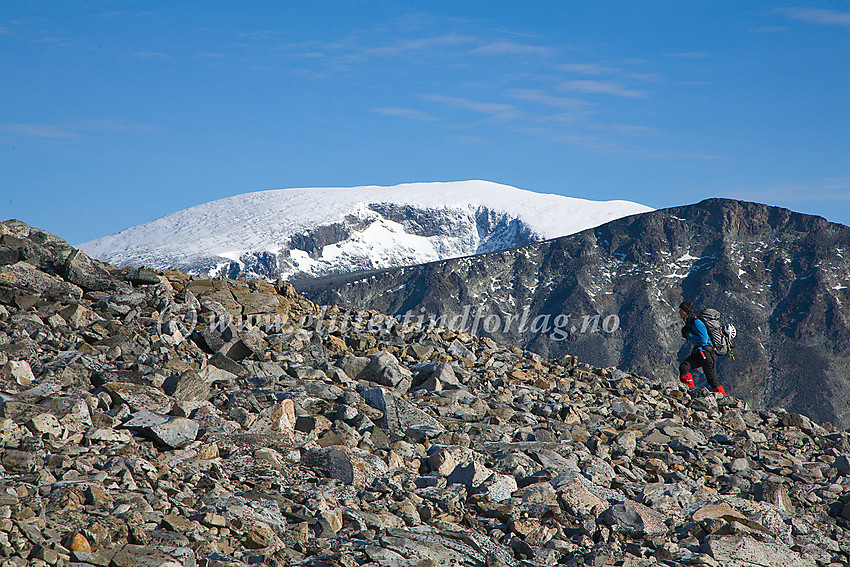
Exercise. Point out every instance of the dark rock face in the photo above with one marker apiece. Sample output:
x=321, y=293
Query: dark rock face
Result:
x=780, y=277
x=312, y=241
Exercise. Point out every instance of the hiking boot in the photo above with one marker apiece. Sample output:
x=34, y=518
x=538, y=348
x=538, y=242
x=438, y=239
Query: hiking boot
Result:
x=687, y=380
x=719, y=390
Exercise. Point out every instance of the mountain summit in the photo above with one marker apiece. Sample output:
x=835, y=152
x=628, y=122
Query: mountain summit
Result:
x=291, y=233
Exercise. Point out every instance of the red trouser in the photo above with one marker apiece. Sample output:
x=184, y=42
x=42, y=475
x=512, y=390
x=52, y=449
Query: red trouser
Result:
x=704, y=360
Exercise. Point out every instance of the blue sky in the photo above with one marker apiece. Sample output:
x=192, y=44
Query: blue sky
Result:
x=116, y=113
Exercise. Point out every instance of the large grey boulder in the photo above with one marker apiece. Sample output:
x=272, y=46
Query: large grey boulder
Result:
x=17, y=372
x=176, y=432
x=139, y=396
x=498, y=487
x=434, y=377
x=471, y=475
x=188, y=386
x=399, y=414
x=635, y=519
x=350, y=466
x=742, y=551
x=26, y=277
x=575, y=496
x=153, y=556
x=89, y=274
x=386, y=370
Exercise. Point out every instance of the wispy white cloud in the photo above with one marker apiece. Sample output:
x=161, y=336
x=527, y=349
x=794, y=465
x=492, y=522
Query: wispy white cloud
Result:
x=496, y=110
x=818, y=16
x=541, y=97
x=470, y=139
x=689, y=55
x=113, y=125
x=110, y=14
x=509, y=32
x=587, y=68
x=38, y=131
x=120, y=13
x=76, y=129
x=405, y=113
x=511, y=48
x=770, y=29
x=585, y=142
x=152, y=55
x=560, y=118
x=599, y=69
x=644, y=77
x=261, y=34
x=627, y=129
x=422, y=44
x=672, y=154
x=603, y=87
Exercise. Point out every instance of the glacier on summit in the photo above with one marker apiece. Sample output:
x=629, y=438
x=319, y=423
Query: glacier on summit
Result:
x=296, y=233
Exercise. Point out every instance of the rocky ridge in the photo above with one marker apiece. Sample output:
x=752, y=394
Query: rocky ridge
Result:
x=152, y=418
x=781, y=277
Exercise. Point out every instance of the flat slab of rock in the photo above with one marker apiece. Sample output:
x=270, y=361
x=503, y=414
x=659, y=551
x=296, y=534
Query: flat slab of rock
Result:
x=153, y=556
x=386, y=370
x=446, y=549
x=399, y=414
x=81, y=270
x=470, y=475
x=175, y=433
x=139, y=396
x=188, y=386
x=635, y=519
x=350, y=466
x=720, y=510
x=17, y=371
x=579, y=500
x=144, y=419
x=24, y=276
x=738, y=551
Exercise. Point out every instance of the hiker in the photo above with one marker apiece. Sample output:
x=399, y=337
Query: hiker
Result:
x=703, y=356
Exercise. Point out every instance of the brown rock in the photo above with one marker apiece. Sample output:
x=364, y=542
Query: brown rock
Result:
x=524, y=527
x=213, y=520
x=259, y=535
x=97, y=496
x=335, y=345
x=442, y=462
x=179, y=524
x=719, y=510
x=77, y=315
x=80, y=543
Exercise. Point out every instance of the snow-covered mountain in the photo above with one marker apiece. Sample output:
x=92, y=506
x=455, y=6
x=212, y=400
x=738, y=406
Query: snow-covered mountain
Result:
x=291, y=233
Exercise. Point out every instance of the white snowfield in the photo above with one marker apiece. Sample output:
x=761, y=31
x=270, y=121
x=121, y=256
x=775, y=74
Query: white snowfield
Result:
x=263, y=234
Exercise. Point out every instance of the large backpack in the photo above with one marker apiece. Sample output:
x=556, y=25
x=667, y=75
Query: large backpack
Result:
x=721, y=336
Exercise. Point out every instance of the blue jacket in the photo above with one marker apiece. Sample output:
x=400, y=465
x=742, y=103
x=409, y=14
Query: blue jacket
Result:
x=698, y=334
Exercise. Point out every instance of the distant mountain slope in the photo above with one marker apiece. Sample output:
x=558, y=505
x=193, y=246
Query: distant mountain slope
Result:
x=781, y=277
x=308, y=232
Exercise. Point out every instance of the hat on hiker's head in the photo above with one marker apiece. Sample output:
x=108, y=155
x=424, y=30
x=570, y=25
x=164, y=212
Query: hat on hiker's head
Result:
x=688, y=307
